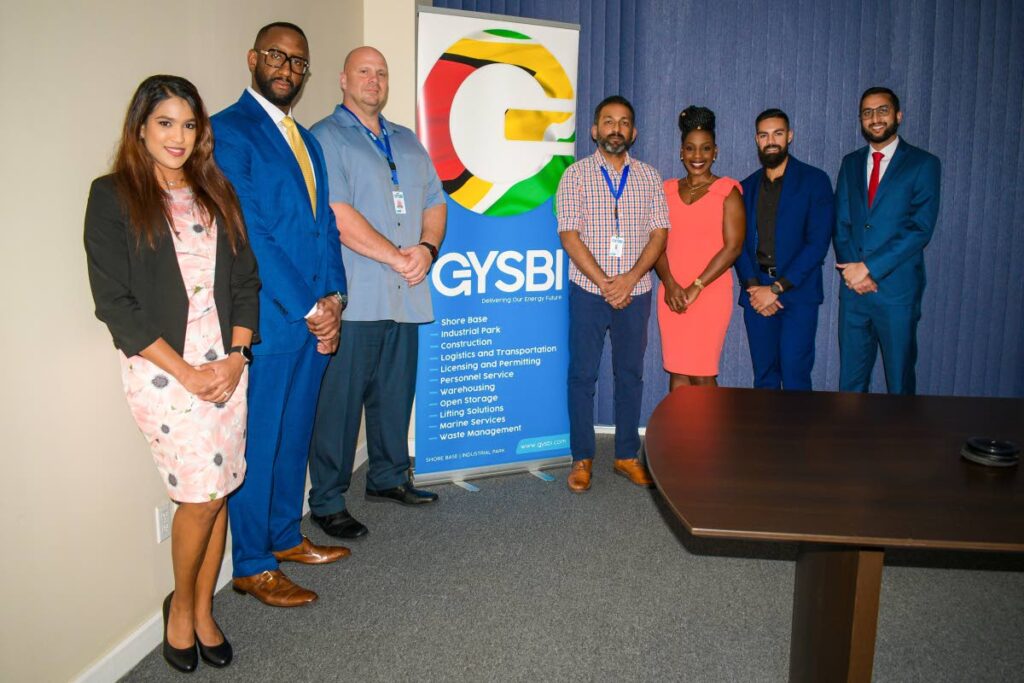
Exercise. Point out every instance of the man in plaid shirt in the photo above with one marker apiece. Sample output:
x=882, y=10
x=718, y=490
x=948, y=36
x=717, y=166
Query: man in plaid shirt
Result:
x=613, y=223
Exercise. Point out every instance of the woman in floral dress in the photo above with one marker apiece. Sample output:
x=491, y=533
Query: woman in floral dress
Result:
x=173, y=278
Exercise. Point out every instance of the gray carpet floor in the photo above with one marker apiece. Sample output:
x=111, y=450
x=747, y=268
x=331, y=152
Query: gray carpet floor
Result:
x=525, y=581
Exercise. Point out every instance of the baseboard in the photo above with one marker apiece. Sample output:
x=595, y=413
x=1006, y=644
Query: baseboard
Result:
x=140, y=642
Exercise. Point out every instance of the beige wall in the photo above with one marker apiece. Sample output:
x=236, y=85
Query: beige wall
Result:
x=83, y=570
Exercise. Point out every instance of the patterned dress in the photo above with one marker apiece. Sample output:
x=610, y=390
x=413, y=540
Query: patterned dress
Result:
x=198, y=446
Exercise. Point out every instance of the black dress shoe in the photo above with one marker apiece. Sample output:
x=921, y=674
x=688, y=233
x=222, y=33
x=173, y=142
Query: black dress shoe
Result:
x=340, y=525
x=183, y=659
x=216, y=655
x=404, y=494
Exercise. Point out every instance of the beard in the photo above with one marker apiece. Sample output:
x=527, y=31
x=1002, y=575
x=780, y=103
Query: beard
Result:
x=881, y=137
x=614, y=144
x=773, y=158
x=263, y=84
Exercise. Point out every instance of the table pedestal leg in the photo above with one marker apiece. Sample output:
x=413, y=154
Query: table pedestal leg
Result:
x=835, y=612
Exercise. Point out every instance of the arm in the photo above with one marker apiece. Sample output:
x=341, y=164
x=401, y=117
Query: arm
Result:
x=675, y=299
x=734, y=228
x=420, y=258
x=581, y=257
x=245, y=288
x=841, y=238
x=916, y=231
x=287, y=288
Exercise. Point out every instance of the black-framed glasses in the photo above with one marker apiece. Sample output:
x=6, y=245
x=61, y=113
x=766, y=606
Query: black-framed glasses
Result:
x=275, y=59
x=883, y=110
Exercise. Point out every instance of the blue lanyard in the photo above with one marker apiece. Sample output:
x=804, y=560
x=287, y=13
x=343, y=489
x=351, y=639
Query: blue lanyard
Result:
x=616, y=193
x=384, y=147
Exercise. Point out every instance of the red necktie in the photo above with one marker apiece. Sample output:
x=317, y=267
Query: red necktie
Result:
x=873, y=185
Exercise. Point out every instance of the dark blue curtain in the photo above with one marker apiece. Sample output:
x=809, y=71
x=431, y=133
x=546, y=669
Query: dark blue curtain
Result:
x=959, y=70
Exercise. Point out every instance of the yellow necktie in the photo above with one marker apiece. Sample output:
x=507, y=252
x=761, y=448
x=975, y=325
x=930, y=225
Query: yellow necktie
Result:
x=301, y=156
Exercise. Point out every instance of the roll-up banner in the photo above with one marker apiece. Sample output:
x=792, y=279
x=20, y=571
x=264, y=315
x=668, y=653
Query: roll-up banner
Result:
x=497, y=113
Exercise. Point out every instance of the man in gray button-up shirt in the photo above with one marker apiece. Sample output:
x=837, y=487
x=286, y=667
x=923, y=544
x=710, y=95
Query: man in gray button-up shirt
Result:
x=391, y=214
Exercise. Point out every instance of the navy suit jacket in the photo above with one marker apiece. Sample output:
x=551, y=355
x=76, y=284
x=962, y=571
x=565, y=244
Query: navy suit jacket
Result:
x=803, y=227
x=890, y=237
x=299, y=254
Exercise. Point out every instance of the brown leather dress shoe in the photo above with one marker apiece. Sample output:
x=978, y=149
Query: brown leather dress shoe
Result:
x=634, y=471
x=308, y=553
x=579, y=476
x=274, y=588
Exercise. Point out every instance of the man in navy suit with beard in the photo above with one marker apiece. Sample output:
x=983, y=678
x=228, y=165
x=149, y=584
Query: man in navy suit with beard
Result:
x=887, y=203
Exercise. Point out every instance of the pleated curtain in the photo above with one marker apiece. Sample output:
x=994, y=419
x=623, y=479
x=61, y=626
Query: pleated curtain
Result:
x=958, y=68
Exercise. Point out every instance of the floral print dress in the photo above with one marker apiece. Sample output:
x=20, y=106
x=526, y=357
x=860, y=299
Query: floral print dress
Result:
x=198, y=446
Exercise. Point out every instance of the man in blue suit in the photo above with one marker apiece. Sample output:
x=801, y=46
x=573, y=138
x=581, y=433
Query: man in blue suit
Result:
x=277, y=169
x=790, y=211
x=887, y=203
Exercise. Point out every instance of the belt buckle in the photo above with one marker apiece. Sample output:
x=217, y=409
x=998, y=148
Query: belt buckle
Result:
x=772, y=271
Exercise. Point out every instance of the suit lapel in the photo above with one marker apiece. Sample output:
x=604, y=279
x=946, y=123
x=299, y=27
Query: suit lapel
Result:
x=275, y=139
x=790, y=188
x=860, y=177
x=892, y=171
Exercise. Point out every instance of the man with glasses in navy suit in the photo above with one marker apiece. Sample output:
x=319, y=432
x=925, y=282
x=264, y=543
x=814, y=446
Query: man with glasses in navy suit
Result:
x=887, y=203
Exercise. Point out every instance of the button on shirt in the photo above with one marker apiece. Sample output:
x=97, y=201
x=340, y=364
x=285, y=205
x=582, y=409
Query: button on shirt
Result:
x=358, y=175
x=888, y=151
x=585, y=204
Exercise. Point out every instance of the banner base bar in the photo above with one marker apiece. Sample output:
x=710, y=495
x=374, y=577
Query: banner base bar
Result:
x=457, y=476
x=543, y=476
x=472, y=488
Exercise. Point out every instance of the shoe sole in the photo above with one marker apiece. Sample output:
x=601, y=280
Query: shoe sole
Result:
x=270, y=604
x=385, y=499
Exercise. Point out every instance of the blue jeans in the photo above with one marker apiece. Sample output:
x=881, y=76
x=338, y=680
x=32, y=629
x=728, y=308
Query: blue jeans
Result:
x=590, y=319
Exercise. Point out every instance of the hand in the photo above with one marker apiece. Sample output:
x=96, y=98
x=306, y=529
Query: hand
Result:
x=853, y=273
x=226, y=373
x=762, y=298
x=328, y=346
x=865, y=286
x=675, y=299
x=198, y=381
x=418, y=262
x=325, y=322
x=691, y=293
x=617, y=290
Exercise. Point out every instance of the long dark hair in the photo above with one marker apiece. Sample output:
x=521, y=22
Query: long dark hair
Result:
x=136, y=181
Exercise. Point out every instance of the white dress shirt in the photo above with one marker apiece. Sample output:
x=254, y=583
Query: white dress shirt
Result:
x=887, y=152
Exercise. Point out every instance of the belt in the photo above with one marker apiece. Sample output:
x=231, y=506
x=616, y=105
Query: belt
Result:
x=772, y=271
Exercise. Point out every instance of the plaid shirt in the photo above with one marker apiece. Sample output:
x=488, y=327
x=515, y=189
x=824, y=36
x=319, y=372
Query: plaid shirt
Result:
x=585, y=204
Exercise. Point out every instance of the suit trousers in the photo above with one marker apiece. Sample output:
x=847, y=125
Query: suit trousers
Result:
x=782, y=346
x=375, y=368
x=265, y=511
x=590, y=319
x=865, y=325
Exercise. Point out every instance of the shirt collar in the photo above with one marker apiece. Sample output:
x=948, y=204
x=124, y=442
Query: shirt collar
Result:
x=888, y=150
x=601, y=161
x=347, y=119
x=275, y=114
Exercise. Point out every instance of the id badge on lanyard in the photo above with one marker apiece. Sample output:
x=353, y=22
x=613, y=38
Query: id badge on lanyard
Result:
x=616, y=246
x=399, y=198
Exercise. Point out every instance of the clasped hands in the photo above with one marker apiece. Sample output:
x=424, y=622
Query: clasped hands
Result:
x=764, y=301
x=215, y=381
x=618, y=290
x=677, y=298
x=412, y=263
x=325, y=324
x=857, y=277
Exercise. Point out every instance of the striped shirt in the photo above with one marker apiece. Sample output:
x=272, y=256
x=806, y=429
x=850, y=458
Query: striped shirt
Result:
x=586, y=204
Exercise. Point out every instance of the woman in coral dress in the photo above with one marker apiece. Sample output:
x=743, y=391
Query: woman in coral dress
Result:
x=173, y=278
x=708, y=224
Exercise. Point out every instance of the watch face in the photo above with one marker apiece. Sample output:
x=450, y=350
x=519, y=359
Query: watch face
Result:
x=776, y=288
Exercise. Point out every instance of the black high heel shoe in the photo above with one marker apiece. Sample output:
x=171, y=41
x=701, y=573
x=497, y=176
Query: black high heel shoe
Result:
x=216, y=655
x=182, y=659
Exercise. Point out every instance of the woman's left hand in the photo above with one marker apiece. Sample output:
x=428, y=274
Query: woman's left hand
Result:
x=691, y=293
x=227, y=372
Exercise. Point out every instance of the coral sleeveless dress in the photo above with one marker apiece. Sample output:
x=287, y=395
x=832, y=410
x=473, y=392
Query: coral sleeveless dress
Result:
x=691, y=342
x=198, y=446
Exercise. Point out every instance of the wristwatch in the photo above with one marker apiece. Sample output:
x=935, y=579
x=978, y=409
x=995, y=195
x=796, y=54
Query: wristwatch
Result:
x=776, y=288
x=244, y=350
x=431, y=248
x=342, y=299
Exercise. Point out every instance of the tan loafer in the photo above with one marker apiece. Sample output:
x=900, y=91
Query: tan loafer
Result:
x=633, y=470
x=308, y=553
x=274, y=588
x=579, y=476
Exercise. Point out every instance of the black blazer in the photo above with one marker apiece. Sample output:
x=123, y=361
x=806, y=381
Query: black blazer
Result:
x=138, y=291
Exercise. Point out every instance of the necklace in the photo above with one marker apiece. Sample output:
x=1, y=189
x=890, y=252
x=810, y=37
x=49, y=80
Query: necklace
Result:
x=172, y=184
x=693, y=189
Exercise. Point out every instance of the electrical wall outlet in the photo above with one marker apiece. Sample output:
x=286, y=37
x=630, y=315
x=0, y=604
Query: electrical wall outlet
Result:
x=164, y=513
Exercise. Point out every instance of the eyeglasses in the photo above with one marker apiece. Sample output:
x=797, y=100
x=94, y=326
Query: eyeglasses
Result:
x=276, y=58
x=882, y=111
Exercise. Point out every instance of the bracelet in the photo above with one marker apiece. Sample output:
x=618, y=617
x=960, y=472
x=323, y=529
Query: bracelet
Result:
x=698, y=284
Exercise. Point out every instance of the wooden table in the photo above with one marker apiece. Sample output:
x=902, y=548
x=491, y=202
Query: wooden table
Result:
x=846, y=476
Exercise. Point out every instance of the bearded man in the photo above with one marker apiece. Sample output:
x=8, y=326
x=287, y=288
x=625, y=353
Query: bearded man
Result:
x=789, y=225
